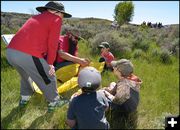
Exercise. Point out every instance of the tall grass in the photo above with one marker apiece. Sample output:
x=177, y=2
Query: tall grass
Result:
x=159, y=96
x=159, y=92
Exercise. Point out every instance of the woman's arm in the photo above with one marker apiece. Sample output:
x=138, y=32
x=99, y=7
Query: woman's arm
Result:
x=69, y=57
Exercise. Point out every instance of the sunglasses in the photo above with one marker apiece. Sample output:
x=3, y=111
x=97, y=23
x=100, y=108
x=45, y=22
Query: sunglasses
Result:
x=58, y=12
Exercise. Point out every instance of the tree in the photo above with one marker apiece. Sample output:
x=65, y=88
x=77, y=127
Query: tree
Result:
x=124, y=11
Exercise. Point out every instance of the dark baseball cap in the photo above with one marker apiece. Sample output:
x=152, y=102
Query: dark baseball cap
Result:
x=104, y=45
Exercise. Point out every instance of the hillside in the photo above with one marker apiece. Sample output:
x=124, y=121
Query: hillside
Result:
x=124, y=39
x=16, y=20
x=153, y=51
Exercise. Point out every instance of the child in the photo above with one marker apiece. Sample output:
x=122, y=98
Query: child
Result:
x=123, y=95
x=106, y=55
x=87, y=110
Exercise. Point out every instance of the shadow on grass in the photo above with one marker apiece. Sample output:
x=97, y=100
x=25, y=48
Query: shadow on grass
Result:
x=68, y=94
x=121, y=120
x=41, y=120
x=15, y=114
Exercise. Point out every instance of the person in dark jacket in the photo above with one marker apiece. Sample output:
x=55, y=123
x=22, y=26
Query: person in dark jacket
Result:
x=87, y=109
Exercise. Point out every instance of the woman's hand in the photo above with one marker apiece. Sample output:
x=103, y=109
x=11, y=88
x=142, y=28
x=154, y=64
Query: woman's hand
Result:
x=84, y=62
x=52, y=70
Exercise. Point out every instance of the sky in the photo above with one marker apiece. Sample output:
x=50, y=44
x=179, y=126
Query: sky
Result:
x=166, y=12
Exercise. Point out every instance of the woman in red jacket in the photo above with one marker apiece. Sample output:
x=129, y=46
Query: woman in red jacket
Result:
x=32, y=52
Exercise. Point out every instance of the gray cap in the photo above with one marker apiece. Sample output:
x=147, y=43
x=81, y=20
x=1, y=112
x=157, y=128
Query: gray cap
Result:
x=89, y=78
x=104, y=45
x=124, y=66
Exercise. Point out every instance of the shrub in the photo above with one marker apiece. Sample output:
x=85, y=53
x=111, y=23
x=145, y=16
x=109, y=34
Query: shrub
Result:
x=177, y=51
x=144, y=45
x=5, y=30
x=165, y=56
x=155, y=52
x=139, y=43
x=128, y=28
x=119, y=45
x=137, y=53
x=137, y=40
x=85, y=33
x=173, y=32
x=127, y=53
x=175, y=47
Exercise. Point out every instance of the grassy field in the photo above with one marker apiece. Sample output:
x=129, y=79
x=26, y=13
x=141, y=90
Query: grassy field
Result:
x=159, y=96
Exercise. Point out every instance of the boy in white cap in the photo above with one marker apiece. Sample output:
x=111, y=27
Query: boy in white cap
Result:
x=87, y=110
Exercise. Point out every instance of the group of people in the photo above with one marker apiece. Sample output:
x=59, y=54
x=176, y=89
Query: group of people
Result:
x=37, y=51
x=151, y=25
x=87, y=109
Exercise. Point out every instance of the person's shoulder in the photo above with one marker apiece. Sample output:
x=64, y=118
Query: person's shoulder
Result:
x=79, y=97
x=74, y=100
x=126, y=84
x=62, y=38
x=100, y=93
x=123, y=83
x=110, y=53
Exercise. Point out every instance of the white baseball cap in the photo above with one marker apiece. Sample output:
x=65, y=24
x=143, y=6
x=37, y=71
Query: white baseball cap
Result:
x=89, y=78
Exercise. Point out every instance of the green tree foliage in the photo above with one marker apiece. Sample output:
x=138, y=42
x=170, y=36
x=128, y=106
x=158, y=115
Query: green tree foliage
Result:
x=124, y=12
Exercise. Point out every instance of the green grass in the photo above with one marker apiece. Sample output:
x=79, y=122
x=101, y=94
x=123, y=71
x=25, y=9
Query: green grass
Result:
x=159, y=92
x=159, y=96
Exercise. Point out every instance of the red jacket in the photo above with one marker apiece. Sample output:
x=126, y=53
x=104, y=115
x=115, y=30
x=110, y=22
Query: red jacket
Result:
x=64, y=46
x=108, y=57
x=39, y=36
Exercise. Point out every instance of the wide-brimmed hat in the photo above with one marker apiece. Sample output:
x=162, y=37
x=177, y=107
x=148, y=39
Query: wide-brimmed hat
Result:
x=124, y=66
x=89, y=78
x=104, y=45
x=55, y=6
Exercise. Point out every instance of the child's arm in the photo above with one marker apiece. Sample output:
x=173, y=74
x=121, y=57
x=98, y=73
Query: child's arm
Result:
x=109, y=95
x=111, y=87
x=71, y=117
